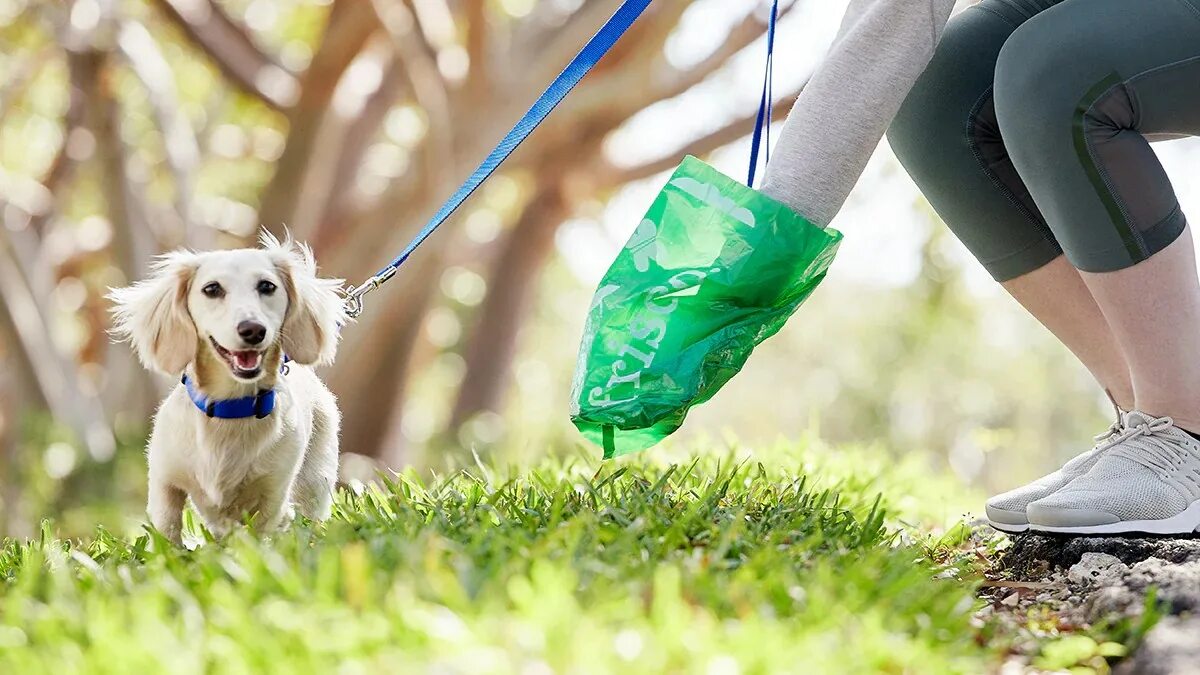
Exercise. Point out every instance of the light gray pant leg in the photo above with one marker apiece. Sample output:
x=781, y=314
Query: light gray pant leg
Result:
x=847, y=105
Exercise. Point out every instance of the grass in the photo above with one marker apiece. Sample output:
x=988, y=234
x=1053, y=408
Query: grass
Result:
x=795, y=564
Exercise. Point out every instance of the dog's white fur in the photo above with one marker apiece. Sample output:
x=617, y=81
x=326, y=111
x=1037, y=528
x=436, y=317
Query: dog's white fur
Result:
x=271, y=467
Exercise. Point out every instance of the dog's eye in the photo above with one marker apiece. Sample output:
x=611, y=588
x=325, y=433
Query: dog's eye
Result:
x=213, y=290
x=266, y=288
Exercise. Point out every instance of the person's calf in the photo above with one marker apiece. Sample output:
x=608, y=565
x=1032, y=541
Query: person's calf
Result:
x=1056, y=295
x=1153, y=310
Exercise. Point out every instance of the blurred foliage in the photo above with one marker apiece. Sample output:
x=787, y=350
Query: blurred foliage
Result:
x=91, y=186
x=56, y=479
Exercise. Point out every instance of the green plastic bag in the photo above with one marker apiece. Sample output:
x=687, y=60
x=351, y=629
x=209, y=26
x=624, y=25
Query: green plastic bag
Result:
x=714, y=269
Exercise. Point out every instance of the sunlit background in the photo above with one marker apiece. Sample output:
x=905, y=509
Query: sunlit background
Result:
x=128, y=128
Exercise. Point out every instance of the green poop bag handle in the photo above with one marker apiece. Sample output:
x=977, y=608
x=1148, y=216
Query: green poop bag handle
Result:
x=713, y=269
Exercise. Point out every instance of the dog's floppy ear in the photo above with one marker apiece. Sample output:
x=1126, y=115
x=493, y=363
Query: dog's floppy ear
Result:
x=315, y=307
x=152, y=314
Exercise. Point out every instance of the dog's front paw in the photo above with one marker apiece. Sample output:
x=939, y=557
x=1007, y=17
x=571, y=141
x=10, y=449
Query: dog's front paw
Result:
x=171, y=534
x=286, y=517
x=219, y=528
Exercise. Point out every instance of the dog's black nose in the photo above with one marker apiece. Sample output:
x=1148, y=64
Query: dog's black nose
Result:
x=252, y=332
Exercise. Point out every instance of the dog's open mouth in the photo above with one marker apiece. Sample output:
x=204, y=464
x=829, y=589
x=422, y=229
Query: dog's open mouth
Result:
x=245, y=364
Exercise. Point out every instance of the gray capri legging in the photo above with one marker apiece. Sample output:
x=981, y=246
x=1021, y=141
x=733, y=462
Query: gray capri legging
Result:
x=1028, y=130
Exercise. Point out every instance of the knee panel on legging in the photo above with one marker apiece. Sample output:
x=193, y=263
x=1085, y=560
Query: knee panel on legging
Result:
x=1070, y=86
x=947, y=137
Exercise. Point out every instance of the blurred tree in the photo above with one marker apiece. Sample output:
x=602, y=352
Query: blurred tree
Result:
x=132, y=127
x=346, y=120
x=449, y=61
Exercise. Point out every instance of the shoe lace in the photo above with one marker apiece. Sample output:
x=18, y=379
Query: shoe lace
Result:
x=1149, y=445
x=1116, y=427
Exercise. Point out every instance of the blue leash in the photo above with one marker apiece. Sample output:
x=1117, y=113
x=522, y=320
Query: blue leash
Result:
x=581, y=65
x=762, y=126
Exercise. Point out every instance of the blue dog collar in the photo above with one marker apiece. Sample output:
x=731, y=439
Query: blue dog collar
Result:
x=258, y=406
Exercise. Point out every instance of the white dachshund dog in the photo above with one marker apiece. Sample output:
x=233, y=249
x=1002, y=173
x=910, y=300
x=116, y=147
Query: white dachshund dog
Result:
x=246, y=431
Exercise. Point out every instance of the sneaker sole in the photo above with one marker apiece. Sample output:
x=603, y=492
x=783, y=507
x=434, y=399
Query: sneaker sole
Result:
x=1007, y=528
x=1186, y=522
x=1002, y=519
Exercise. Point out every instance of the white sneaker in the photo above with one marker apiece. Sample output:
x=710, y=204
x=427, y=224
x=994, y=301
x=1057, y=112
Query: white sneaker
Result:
x=1007, y=511
x=1148, y=481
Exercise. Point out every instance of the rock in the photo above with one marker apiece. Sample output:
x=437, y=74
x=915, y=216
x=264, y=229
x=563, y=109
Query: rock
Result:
x=1014, y=666
x=1111, y=577
x=1171, y=648
x=1096, y=569
x=1032, y=556
x=1177, y=590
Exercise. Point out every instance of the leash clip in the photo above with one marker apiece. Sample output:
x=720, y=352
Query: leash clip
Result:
x=355, y=303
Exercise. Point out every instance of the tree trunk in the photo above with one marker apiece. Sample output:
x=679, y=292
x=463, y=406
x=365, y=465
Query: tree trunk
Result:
x=19, y=393
x=355, y=142
x=133, y=245
x=351, y=22
x=493, y=341
x=55, y=373
x=374, y=368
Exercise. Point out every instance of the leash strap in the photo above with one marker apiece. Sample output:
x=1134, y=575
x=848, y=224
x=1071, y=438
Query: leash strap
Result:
x=592, y=52
x=596, y=48
x=762, y=126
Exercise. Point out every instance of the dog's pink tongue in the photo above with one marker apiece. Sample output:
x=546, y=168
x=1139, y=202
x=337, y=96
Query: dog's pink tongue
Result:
x=247, y=360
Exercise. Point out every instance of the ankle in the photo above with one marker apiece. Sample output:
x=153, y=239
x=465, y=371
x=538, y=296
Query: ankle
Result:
x=1187, y=422
x=1123, y=397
